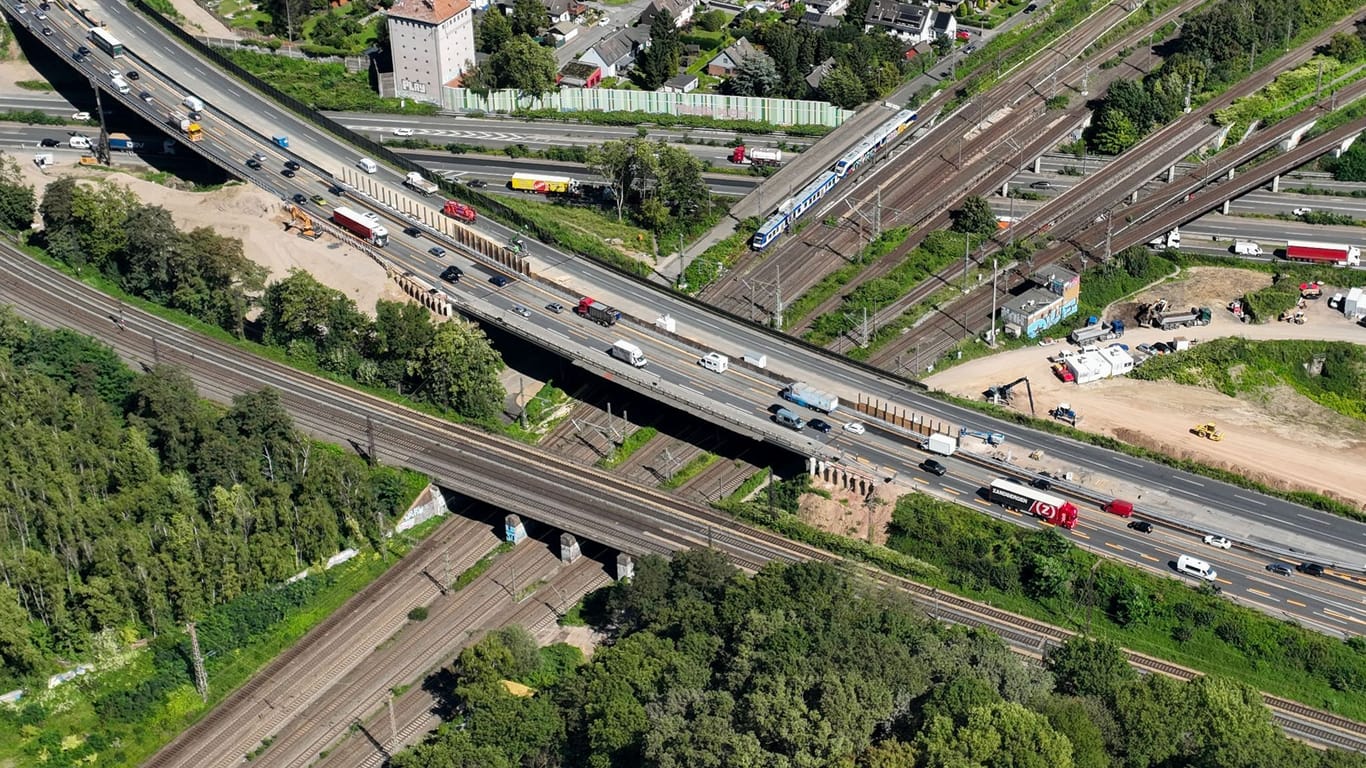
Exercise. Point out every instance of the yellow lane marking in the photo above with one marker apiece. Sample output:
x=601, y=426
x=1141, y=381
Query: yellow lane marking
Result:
x=1296, y=602
x=1261, y=593
x=1115, y=547
x=1147, y=556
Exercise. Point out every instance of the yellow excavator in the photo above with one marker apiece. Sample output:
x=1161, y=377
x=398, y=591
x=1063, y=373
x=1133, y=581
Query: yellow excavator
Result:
x=301, y=223
x=1207, y=431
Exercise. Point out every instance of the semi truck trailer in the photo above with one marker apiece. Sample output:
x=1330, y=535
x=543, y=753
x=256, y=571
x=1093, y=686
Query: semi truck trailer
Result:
x=1322, y=253
x=366, y=225
x=1046, y=506
x=597, y=311
x=1097, y=331
x=415, y=181
x=803, y=394
x=761, y=156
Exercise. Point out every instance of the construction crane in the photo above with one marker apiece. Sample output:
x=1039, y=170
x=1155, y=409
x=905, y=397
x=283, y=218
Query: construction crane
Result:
x=301, y=222
x=1001, y=392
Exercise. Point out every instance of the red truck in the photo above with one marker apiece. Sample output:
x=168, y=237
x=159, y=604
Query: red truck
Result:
x=366, y=225
x=597, y=311
x=458, y=210
x=742, y=155
x=1341, y=255
x=1053, y=509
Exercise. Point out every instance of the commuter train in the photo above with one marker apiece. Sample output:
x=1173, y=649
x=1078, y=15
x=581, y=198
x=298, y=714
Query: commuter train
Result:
x=792, y=208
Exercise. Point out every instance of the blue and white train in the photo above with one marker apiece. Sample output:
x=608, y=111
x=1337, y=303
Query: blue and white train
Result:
x=792, y=208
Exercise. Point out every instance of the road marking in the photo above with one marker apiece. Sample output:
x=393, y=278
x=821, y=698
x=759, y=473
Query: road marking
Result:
x=1296, y=602
x=1254, y=501
x=922, y=481
x=950, y=490
x=1114, y=546
x=1261, y=593
x=981, y=501
x=1342, y=616
x=1147, y=556
x=1126, y=461
x=1187, y=480
x=1079, y=534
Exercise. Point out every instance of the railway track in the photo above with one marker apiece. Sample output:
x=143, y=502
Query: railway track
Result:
x=535, y=483
x=806, y=257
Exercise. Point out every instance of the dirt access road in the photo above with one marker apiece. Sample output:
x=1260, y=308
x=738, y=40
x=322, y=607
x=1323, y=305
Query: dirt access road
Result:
x=1277, y=436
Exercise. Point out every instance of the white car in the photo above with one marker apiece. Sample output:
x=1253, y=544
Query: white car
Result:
x=403, y=131
x=1218, y=542
x=1302, y=211
x=855, y=428
x=81, y=116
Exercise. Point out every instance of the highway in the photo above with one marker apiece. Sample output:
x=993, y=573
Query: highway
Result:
x=1212, y=505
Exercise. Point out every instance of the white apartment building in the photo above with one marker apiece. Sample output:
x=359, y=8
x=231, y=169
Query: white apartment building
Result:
x=432, y=43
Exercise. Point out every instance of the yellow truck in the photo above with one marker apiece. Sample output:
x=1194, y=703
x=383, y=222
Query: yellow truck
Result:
x=187, y=126
x=543, y=184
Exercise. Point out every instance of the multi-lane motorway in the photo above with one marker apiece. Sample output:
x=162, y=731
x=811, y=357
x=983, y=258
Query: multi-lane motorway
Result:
x=1222, y=507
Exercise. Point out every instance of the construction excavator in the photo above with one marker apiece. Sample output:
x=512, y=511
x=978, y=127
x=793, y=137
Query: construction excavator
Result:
x=302, y=223
x=1207, y=431
x=1001, y=393
x=1148, y=314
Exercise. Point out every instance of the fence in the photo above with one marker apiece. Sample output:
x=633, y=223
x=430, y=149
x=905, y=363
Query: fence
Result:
x=712, y=105
x=352, y=63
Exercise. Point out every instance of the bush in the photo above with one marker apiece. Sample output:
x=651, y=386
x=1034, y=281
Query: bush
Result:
x=1268, y=303
x=418, y=614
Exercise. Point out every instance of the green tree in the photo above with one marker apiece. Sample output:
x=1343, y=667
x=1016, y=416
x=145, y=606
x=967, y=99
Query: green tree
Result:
x=524, y=64
x=1351, y=166
x=713, y=20
x=1089, y=666
x=1003, y=735
x=843, y=88
x=459, y=370
x=975, y=217
x=19, y=656
x=529, y=17
x=660, y=60
x=1345, y=47
x=495, y=30
x=943, y=45
x=754, y=76
x=18, y=203
x=1113, y=132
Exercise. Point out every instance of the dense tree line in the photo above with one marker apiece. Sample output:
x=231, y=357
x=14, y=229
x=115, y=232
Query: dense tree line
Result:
x=1216, y=48
x=132, y=505
x=659, y=184
x=867, y=64
x=802, y=666
x=102, y=227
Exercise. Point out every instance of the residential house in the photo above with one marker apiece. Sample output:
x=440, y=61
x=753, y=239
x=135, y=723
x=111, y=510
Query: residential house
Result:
x=726, y=62
x=818, y=73
x=681, y=10
x=827, y=7
x=1051, y=299
x=579, y=74
x=945, y=24
x=432, y=43
x=680, y=84
x=563, y=10
x=911, y=23
x=821, y=20
x=617, y=52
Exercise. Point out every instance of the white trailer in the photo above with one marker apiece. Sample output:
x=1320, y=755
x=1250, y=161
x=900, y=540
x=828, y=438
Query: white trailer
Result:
x=944, y=445
x=627, y=352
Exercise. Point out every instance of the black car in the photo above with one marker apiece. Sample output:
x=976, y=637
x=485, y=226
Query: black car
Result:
x=253, y=164
x=476, y=183
x=47, y=31
x=1310, y=569
x=50, y=143
x=934, y=467
x=291, y=165
x=132, y=75
x=499, y=280
x=1032, y=7
x=146, y=96
x=299, y=199
x=819, y=426
x=1042, y=483
x=82, y=50
x=451, y=274
x=437, y=251
x=287, y=173
x=1142, y=526
x=412, y=232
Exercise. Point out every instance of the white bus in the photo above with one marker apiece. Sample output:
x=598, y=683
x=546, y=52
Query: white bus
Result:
x=106, y=42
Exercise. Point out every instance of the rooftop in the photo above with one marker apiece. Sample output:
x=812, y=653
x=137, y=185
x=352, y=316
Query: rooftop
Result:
x=429, y=11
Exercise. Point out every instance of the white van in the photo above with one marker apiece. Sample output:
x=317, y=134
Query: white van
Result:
x=367, y=165
x=120, y=85
x=713, y=361
x=1195, y=567
x=1247, y=248
x=756, y=359
x=79, y=142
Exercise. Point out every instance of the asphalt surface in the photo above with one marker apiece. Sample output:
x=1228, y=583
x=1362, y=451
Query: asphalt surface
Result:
x=743, y=400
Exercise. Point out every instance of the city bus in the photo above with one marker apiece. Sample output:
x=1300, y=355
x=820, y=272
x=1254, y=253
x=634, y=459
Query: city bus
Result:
x=106, y=42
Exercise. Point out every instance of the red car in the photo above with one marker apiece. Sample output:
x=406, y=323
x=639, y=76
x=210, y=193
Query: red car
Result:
x=1063, y=373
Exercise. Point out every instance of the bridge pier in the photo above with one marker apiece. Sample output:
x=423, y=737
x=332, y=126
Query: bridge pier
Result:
x=626, y=567
x=1005, y=188
x=1171, y=174
x=1133, y=197
x=840, y=477
x=513, y=529
x=1275, y=183
x=569, y=548
x=1296, y=136
x=1037, y=166
x=1344, y=146
x=1225, y=207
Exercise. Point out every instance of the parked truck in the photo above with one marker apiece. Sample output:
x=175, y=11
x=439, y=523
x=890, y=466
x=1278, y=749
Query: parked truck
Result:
x=458, y=210
x=1053, y=509
x=802, y=393
x=760, y=156
x=1182, y=319
x=944, y=445
x=414, y=180
x=1170, y=240
x=366, y=225
x=543, y=184
x=597, y=311
x=185, y=125
x=121, y=142
x=1097, y=331
x=627, y=352
x=1323, y=253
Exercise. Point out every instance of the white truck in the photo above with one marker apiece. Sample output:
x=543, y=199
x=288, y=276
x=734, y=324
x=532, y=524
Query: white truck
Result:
x=1170, y=240
x=627, y=352
x=193, y=104
x=1247, y=248
x=415, y=181
x=944, y=445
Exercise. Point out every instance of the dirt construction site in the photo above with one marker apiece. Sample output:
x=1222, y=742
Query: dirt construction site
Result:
x=1277, y=436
